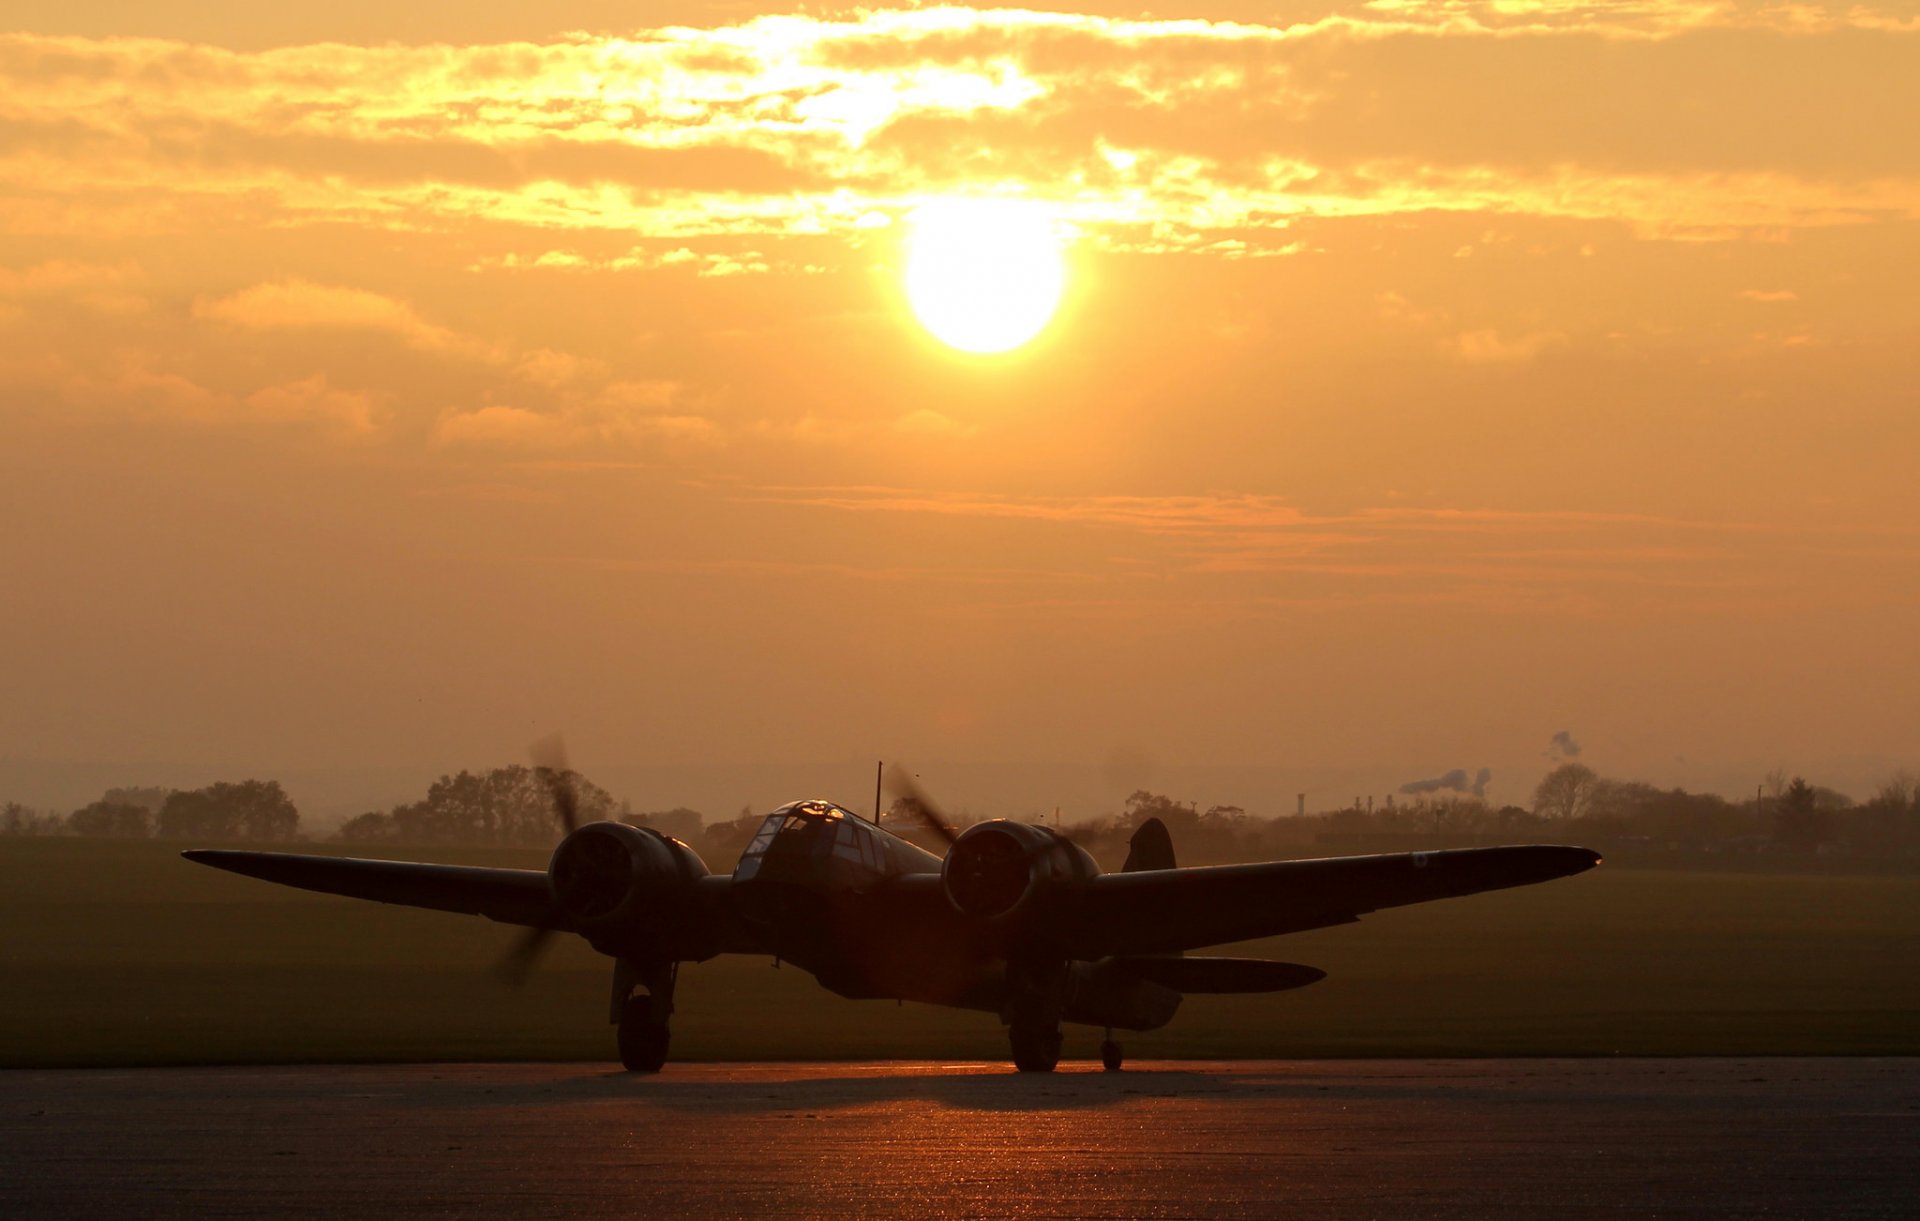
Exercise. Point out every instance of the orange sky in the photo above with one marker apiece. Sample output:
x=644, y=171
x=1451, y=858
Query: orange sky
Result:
x=381, y=387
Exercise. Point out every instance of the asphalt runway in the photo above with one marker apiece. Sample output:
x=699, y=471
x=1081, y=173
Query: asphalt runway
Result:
x=1390, y=1139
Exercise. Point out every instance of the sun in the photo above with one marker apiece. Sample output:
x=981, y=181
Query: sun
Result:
x=984, y=275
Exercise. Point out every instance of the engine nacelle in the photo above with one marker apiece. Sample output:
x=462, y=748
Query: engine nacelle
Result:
x=997, y=869
x=609, y=873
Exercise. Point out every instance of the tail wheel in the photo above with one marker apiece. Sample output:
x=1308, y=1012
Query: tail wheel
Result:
x=643, y=1041
x=1036, y=1049
x=1110, y=1056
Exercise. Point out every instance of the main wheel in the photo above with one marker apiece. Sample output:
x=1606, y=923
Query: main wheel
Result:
x=1036, y=1049
x=643, y=1041
x=1110, y=1056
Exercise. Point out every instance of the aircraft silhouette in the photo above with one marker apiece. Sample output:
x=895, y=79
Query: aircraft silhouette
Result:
x=1015, y=919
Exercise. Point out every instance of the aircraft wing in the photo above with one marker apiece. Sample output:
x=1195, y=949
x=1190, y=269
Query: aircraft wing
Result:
x=1164, y=910
x=511, y=896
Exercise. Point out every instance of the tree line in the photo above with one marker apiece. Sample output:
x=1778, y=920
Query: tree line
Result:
x=514, y=805
x=1787, y=816
x=243, y=810
x=505, y=806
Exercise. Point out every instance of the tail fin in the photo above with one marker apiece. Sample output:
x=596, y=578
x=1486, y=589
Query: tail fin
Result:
x=1150, y=848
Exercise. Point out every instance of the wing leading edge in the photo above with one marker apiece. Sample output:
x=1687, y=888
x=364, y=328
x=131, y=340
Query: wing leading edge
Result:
x=510, y=896
x=1161, y=911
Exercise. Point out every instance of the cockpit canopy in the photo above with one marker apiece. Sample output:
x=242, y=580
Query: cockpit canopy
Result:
x=817, y=837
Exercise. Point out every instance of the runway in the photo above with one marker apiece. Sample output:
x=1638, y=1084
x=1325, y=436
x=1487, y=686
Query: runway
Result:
x=1388, y=1139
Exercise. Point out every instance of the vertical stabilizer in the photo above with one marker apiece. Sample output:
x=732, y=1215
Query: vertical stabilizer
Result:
x=1150, y=848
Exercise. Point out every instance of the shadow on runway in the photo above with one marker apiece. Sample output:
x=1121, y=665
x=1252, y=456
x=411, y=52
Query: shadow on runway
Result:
x=966, y=1088
x=789, y=1087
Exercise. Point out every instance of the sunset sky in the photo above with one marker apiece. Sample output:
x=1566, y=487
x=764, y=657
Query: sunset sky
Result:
x=386, y=386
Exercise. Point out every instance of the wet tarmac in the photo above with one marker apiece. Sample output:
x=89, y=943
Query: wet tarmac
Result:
x=1389, y=1139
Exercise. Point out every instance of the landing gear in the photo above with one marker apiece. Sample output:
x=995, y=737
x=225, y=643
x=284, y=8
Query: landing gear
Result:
x=643, y=1041
x=1036, y=1046
x=1111, y=1056
x=1036, y=1000
x=641, y=1021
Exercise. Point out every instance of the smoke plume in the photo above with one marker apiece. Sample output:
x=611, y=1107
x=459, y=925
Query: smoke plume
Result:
x=1562, y=746
x=1455, y=781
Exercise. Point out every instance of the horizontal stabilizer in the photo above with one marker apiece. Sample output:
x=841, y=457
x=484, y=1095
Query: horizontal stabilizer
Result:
x=1221, y=974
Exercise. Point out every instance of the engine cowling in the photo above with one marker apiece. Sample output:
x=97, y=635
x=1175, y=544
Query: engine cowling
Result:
x=997, y=869
x=608, y=873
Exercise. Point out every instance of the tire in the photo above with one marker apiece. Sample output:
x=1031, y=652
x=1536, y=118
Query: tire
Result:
x=1036, y=1049
x=643, y=1041
x=1110, y=1056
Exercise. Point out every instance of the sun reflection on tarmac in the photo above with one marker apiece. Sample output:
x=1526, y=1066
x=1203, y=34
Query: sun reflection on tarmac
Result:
x=920, y=1139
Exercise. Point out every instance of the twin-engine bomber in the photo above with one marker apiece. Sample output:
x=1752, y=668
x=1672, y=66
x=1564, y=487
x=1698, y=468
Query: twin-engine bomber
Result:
x=1014, y=919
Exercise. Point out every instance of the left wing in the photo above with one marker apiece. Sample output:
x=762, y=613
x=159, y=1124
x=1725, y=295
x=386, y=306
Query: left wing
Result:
x=511, y=896
x=1158, y=911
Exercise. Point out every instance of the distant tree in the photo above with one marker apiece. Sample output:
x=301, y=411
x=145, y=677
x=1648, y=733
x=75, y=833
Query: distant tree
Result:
x=508, y=805
x=1897, y=793
x=1177, y=816
x=1508, y=818
x=369, y=828
x=1619, y=801
x=1776, y=782
x=1825, y=798
x=725, y=841
x=251, y=809
x=679, y=822
x=17, y=819
x=1799, y=822
x=148, y=797
x=1224, y=817
x=193, y=813
x=110, y=819
x=1566, y=792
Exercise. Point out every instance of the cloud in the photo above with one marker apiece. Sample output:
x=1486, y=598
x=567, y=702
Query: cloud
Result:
x=930, y=424
x=301, y=305
x=312, y=399
x=502, y=427
x=99, y=287
x=140, y=387
x=1491, y=347
x=554, y=369
x=1149, y=135
x=1576, y=563
x=627, y=413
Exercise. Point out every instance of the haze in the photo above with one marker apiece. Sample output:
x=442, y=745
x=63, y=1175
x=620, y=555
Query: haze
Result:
x=384, y=389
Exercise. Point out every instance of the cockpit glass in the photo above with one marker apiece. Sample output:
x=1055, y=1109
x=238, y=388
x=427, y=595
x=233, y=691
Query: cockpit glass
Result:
x=814, y=829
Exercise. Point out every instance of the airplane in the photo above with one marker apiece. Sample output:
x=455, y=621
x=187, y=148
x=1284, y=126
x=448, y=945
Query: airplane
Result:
x=1014, y=919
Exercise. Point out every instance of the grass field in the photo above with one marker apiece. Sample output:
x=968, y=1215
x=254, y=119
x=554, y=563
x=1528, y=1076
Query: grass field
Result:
x=121, y=953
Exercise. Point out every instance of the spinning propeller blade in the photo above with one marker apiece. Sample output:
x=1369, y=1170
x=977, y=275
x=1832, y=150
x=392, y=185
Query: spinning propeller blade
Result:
x=517, y=963
x=550, y=764
x=900, y=782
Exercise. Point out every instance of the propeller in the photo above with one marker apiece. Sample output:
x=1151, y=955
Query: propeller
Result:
x=901, y=784
x=549, y=756
x=550, y=764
